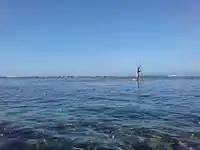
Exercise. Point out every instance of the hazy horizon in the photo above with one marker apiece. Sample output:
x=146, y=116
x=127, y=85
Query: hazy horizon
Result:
x=147, y=75
x=99, y=38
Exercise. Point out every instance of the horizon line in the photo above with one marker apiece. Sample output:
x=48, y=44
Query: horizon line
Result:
x=69, y=76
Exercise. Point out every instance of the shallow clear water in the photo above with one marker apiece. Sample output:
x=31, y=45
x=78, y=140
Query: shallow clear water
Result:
x=98, y=113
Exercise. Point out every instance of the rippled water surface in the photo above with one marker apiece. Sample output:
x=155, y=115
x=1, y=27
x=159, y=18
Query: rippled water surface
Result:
x=99, y=114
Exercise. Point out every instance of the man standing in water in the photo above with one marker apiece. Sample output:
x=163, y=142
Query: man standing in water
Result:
x=138, y=73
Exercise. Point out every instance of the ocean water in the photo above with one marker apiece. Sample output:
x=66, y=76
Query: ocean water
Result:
x=99, y=113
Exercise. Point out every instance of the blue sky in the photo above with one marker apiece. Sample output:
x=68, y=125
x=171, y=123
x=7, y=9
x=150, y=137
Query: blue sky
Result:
x=104, y=37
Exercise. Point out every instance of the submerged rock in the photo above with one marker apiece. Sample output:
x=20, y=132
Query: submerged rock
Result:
x=142, y=147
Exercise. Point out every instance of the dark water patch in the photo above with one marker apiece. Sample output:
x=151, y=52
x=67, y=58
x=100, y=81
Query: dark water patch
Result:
x=145, y=95
x=106, y=98
x=196, y=96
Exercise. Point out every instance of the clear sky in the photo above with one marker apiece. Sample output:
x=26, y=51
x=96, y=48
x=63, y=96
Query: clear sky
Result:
x=99, y=37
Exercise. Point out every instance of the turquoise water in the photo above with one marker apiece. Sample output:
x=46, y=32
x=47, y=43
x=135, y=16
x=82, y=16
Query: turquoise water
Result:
x=100, y=113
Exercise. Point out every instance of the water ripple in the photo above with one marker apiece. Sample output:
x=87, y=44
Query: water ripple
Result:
x=99, y=114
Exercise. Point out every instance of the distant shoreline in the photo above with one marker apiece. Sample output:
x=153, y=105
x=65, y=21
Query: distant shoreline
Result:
x=118, y=77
